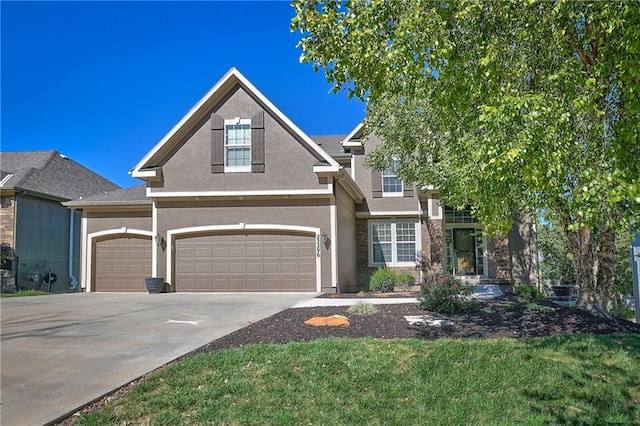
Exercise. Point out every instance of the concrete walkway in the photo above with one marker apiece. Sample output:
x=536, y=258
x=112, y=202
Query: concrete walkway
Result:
x=353, y=301
x=61, y=352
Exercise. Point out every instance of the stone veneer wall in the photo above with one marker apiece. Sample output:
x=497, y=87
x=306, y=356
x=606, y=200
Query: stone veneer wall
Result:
x=7, y=219
x=502, y=258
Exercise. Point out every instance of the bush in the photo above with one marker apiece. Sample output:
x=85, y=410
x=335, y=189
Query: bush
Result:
x=445, y=295
x=362, y=308
x=405, y=280
x=384, y=280
x=529, y=292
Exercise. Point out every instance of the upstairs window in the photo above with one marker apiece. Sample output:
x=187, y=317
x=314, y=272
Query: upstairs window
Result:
x=237, y=145
x=391, y=185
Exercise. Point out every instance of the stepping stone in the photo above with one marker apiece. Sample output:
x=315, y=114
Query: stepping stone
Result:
x=330, y=321
x=427, y=320
x=486, y=291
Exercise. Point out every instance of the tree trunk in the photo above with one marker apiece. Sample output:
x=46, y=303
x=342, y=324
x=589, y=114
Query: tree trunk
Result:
x=594, y=268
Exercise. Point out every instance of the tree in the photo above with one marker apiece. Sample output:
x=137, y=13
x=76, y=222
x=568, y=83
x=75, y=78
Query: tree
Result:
x=510, y=106
x=555, y=261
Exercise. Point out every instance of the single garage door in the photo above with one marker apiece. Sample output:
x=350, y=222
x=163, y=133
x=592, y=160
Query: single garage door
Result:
x=240, y=262
x=122, y=264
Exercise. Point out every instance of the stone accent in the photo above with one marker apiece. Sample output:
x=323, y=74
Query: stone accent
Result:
x=502, y=258
x=7, y=219
x=428, y=320
x=330, y=321
x=435, y=259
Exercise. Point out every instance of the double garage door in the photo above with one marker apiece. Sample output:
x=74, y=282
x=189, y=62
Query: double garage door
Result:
x=122, y=264
x=245, y=262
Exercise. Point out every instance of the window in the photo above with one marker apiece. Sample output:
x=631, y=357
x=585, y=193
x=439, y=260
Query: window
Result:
x=391, y=185
x=393, y=243
x=237, y=145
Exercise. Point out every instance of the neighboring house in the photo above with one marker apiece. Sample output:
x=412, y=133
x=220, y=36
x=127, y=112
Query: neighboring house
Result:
x=238, y=198
x=39, y=235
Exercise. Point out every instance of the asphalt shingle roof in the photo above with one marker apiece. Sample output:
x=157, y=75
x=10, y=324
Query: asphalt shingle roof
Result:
x=331, y=144
x=50, y=173
x=133, y=195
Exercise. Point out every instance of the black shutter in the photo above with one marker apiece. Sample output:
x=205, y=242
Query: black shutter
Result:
x=257, y=143
x=217, y=144
x=376, y=183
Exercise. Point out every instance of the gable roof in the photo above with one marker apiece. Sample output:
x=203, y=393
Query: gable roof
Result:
x=49, y=173
x=332, y=145
x=352, y=140
x=133, y=196
x=232, y=78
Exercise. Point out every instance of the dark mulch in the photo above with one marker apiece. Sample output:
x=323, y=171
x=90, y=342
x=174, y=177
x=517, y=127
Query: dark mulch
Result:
x=506, y=316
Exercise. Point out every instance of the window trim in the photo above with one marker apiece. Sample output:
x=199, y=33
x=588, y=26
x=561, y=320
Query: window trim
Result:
x=236, y=169
x=394, y=243
x=383, y=174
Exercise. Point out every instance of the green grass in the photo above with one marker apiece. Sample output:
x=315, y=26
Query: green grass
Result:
x=25, y=293
x=580, y=379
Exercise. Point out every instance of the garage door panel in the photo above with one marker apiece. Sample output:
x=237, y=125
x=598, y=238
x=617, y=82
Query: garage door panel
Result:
x=122, y=264
x=248, y=262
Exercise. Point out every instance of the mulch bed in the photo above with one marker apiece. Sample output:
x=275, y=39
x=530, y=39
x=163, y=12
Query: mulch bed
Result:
x=506, y=316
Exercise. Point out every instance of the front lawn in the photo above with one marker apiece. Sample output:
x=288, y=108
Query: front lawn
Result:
x=578, y=379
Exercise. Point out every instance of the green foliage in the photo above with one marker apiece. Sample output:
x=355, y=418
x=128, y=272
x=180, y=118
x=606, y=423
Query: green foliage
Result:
x=556, y=380
x=405, y=280
x=513, y=107
x=537, y=307
x=445, y=294
x=25, y=293
x=363, y=308
x=384, y=280
x=529, y=292
x=556, y=259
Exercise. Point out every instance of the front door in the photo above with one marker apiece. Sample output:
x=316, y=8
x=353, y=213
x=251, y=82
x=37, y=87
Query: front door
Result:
x=464, y=251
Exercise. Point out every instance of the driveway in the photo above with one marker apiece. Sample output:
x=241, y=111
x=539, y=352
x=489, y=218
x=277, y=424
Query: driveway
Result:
x=60, y=352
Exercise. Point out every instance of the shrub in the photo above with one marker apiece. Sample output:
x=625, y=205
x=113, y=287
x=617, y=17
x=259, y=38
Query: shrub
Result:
x=384, y=280
x=405, y=280
x=538, y=308
x=445, y=295
x=362, y=308
x=529, y=292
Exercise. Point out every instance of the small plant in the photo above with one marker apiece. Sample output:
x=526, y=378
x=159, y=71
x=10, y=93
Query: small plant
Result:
x=529, y=292
x=363, y=308
x=445, y=295
x=26, y=293
x=384, y=280
x=538, y=308
x=405, y=280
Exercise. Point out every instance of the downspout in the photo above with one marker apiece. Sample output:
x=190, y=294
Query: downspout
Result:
x=74, y=280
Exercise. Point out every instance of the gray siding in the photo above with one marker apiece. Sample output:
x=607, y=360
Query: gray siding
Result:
x=42, y=242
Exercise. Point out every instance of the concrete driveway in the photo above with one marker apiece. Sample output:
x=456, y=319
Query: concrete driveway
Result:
x=60, y=352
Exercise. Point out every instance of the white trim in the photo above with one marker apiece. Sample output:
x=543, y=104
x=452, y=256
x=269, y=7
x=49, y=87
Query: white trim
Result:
x=233, y=122
x=206, y=102
x=353, y=167
x=83, y=250
x=5, y=179
x=350, y=144
x=397, y=213
x=154, y=233
x=417, y=242
x=265, y=193
x=109, y=232
x=172, y=234
x=326, y=169
x=333, y=214
x=393, y=194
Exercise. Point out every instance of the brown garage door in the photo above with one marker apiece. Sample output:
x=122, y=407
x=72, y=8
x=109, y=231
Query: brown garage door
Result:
x=121, y=264
x=254, y=262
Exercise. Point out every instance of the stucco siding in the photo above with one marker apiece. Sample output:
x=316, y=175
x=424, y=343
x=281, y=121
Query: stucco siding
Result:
x=308, y=213
x=103, y=221
x=288, y=163
x=346, y=227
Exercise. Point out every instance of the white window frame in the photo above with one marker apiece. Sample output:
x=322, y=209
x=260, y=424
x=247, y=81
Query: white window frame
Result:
x=394, y=243
x=384, y=174
x=231, y=122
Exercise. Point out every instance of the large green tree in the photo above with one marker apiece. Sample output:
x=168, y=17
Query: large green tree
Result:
x=514, y=107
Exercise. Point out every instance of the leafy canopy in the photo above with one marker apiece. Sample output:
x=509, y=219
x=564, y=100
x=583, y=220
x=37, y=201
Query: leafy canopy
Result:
x=510, y=106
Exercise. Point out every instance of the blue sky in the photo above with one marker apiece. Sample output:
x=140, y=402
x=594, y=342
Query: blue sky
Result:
x=103, y=82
